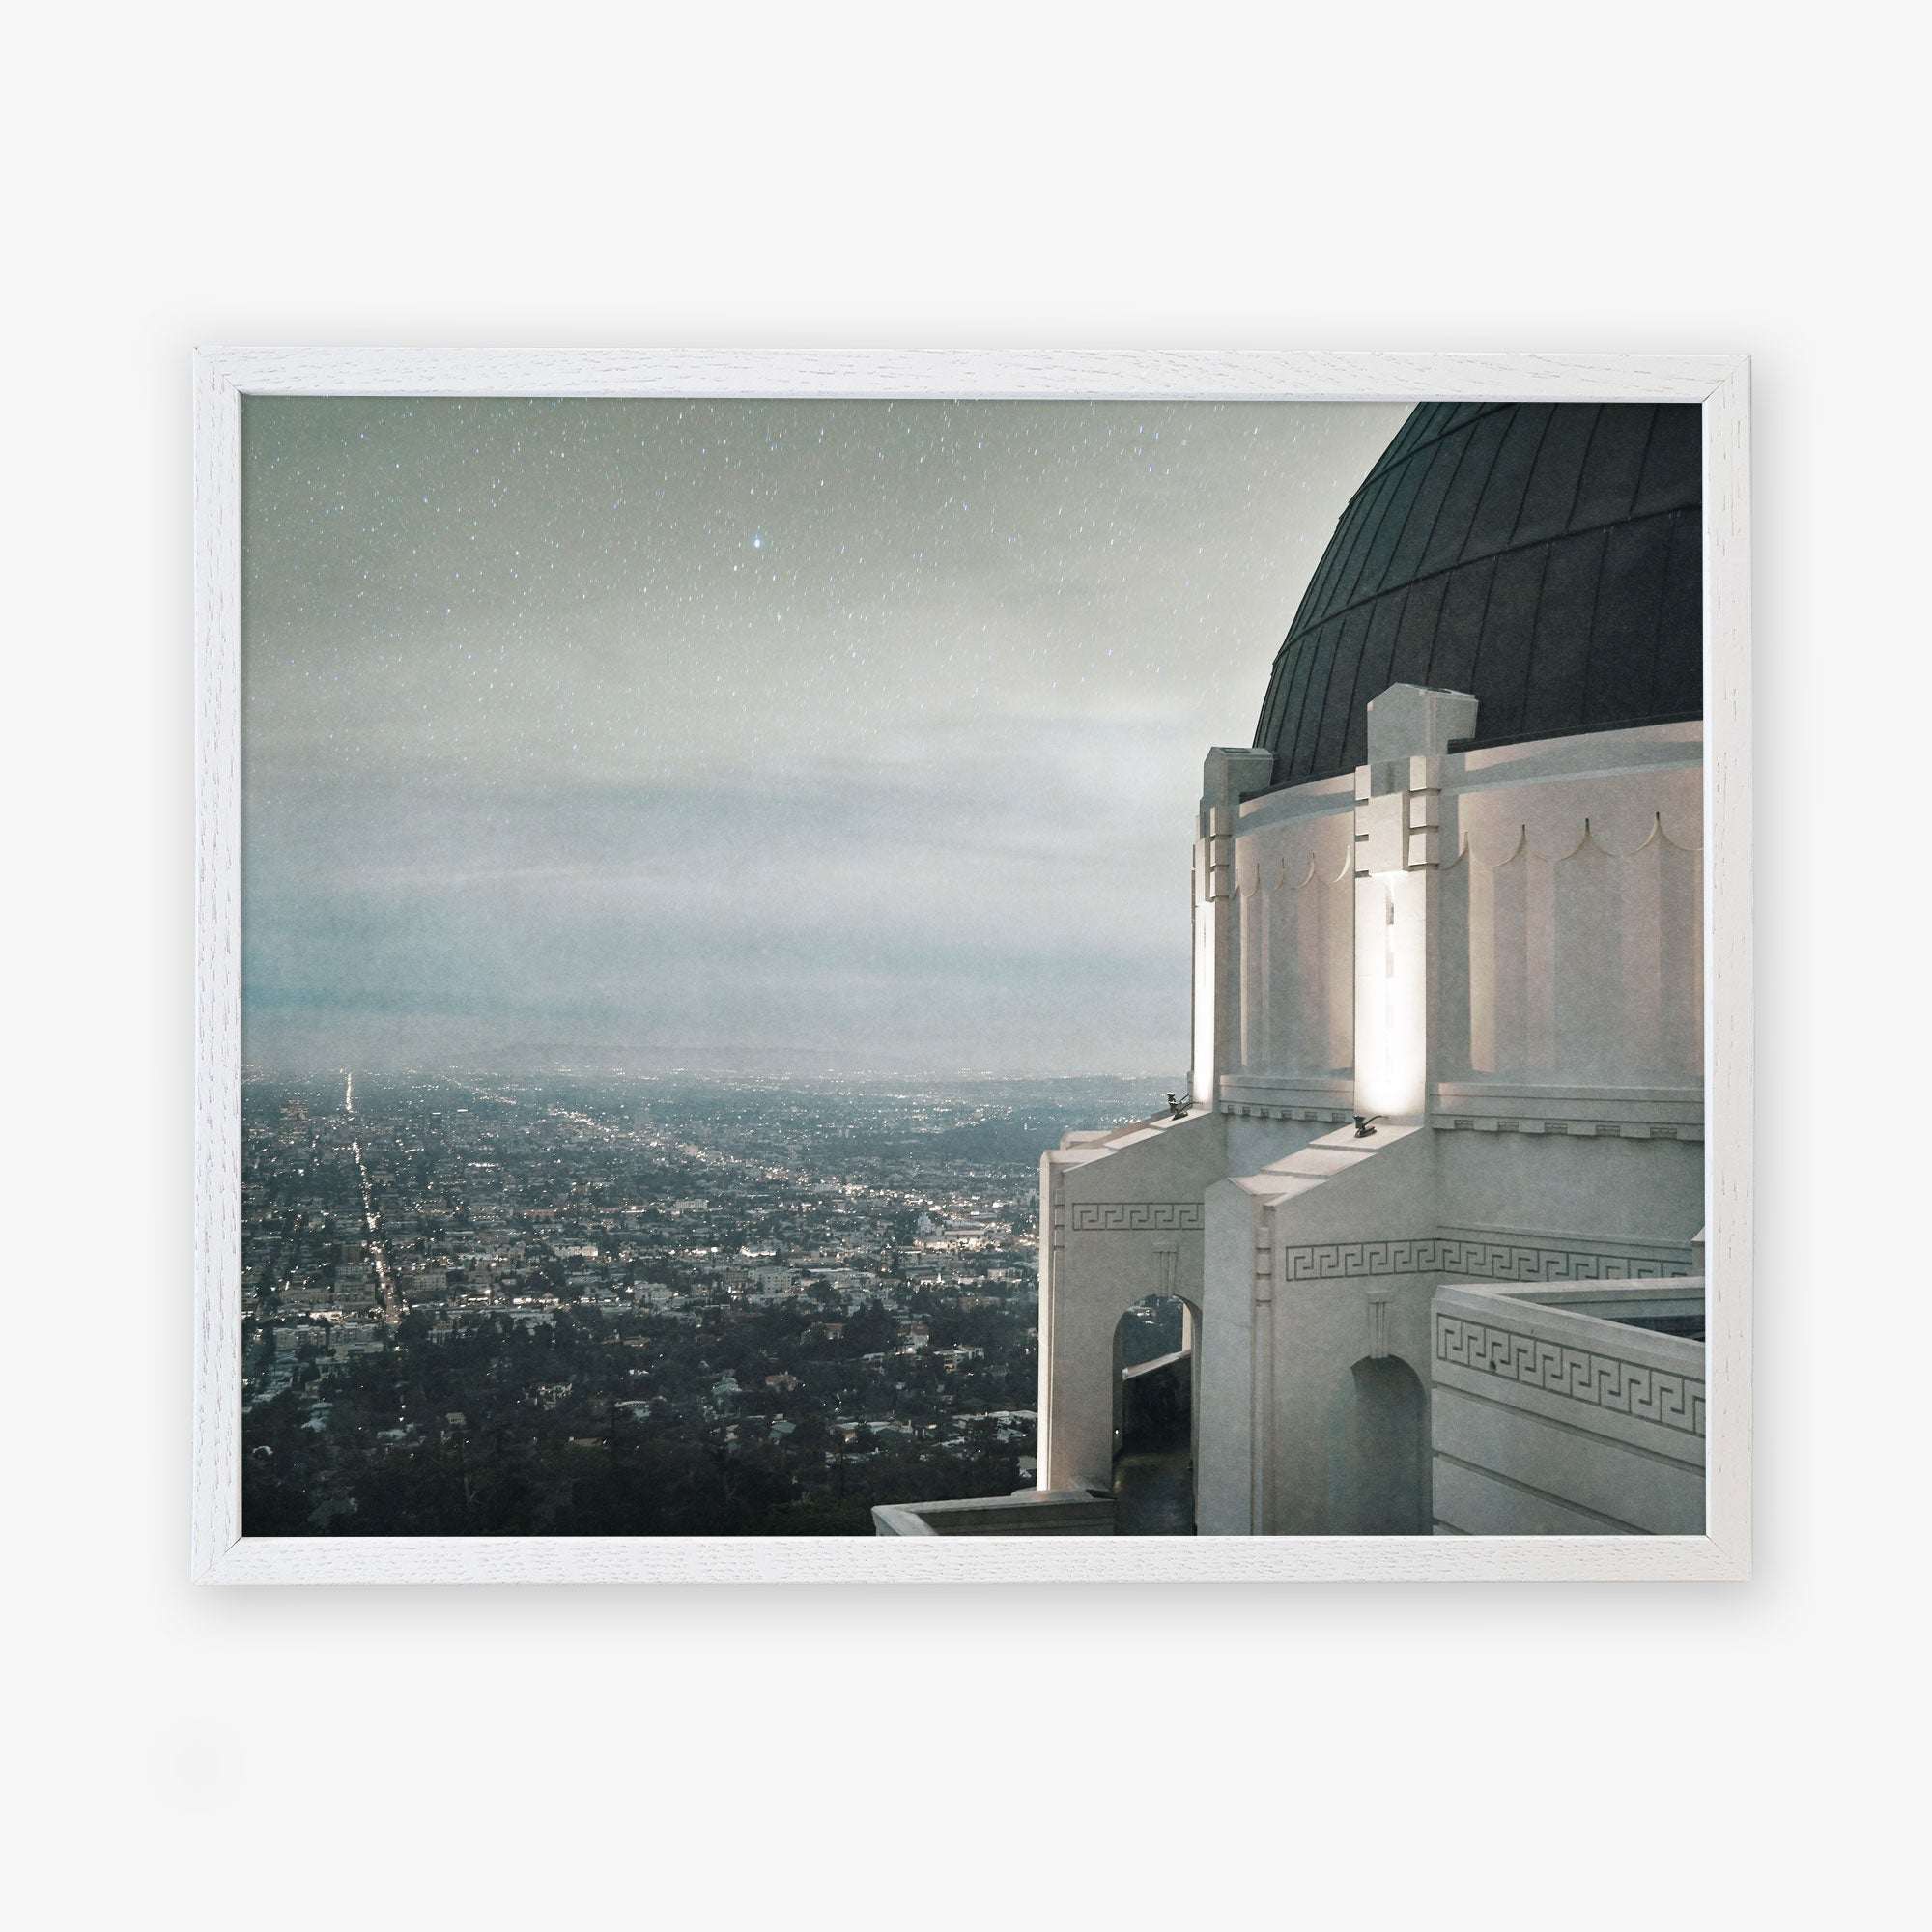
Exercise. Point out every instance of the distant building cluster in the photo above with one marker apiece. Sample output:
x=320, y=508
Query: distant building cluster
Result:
x=448, y=1279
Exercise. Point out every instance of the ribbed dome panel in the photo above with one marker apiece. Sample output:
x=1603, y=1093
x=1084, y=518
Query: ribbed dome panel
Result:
x=1546, y=557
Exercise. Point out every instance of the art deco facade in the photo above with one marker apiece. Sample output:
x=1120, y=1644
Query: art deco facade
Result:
x=1451, y=894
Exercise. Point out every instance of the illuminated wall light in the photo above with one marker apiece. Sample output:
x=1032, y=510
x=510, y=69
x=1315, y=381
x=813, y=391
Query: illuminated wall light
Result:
x=1391, y=994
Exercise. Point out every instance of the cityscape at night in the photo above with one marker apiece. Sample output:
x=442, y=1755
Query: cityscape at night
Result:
x=626, y=1306
x=698, y=858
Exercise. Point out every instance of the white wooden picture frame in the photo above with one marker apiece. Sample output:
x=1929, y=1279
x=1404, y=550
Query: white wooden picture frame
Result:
x=222, y=1553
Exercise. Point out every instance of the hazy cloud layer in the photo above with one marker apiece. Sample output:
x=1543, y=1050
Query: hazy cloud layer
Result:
x=837, y=736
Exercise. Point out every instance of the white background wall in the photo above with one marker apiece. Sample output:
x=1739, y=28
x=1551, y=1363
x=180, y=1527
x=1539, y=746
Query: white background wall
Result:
x=1667, y=176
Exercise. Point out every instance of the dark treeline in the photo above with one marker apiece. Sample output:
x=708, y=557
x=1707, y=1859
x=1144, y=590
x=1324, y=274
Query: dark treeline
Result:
x=739, y=1423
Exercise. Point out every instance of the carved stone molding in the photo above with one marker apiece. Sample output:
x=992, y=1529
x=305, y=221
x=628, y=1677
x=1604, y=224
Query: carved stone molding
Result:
x=1135, y=1217
x=1257, y=1111
x=1264, y=1272
x=1378, y=1325
x=1474, y=1259
x=1492, y=830
x=1635, y=1389
x=1167, y=1255
x=1629, y=1130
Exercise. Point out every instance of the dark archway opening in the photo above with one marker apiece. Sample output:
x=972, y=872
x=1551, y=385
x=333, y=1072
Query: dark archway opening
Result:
x=1155, y=1347
x=1378, y=1452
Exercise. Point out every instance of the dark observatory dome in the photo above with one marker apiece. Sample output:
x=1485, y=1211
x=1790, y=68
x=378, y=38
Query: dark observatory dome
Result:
x=1544, y=557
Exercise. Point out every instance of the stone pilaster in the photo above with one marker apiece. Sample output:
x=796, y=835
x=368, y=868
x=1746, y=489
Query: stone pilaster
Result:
x=1398, y=858
x=1229, y=776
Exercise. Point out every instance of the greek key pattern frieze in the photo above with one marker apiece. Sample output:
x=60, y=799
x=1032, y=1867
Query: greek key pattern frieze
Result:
x=1135, y=1217
x=1647, y=1393
x=1476, y=1260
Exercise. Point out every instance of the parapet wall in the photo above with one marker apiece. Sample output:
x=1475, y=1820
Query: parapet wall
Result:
x=1553, y=1416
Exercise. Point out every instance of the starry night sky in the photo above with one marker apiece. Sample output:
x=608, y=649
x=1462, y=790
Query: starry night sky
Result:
x=806, y=737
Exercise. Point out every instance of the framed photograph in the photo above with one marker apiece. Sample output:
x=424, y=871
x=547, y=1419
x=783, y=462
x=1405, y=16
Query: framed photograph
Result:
x=705, y=1071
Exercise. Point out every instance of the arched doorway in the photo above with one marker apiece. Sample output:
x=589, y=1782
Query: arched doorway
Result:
x=1155, y=1352
x=1378, y=1452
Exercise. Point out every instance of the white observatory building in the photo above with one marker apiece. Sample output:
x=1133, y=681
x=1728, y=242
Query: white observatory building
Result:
x=1432, y=1206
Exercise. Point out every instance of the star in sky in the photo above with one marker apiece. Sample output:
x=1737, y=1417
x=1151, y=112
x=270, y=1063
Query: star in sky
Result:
x=553, y=749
